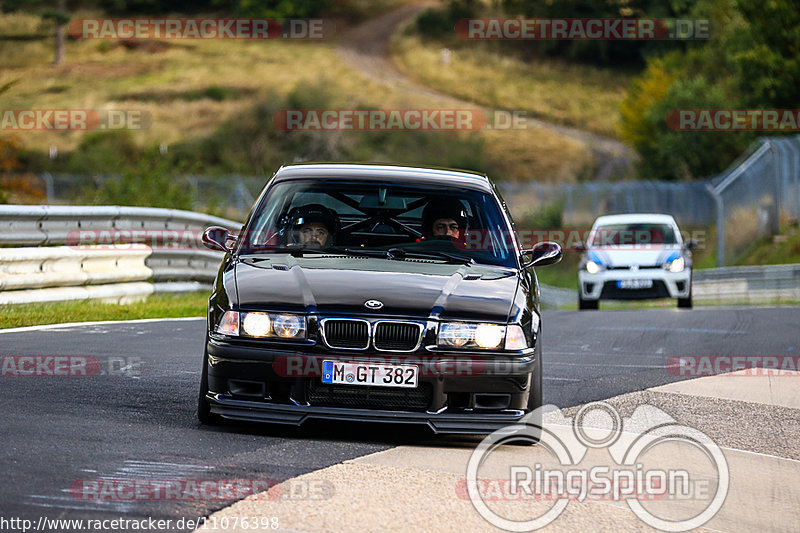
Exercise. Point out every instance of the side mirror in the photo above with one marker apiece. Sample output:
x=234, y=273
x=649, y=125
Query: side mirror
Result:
x=580, y=247
x=542, y=253
x=691, y=244
x=216, y=238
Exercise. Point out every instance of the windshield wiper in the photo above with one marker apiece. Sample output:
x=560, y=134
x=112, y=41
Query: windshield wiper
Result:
x=401, y=253
x=300, y=250
x=391, y=253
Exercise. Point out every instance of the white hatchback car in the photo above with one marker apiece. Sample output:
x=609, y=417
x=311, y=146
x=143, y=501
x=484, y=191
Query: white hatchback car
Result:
x=635, y=257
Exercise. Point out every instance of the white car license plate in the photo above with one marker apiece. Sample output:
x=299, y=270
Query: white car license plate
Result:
x=635, y=283
x=375, y=375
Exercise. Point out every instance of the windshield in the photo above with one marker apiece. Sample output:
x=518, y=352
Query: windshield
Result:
x=306, y=215
x=630, y=234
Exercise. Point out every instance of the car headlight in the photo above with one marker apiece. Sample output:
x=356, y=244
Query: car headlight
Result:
x=677, y=265
x=456, y=334
x=592, y=267
x=483, y=336
x=257, y=324
x=288, y=326
x=489, y=335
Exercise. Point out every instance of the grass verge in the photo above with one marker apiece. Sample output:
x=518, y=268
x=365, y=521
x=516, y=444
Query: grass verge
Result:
x=155, y=306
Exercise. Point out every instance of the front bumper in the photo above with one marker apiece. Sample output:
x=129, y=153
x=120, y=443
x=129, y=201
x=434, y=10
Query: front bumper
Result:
x=603, y=285
x=460, y=394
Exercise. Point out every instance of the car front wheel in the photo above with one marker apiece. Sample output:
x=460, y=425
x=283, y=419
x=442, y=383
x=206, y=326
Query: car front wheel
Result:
x=204, y=414
x=588, y=304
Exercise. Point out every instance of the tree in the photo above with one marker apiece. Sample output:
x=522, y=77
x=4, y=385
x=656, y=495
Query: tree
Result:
x=55, y=11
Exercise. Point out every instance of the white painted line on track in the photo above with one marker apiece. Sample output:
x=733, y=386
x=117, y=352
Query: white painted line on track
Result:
x=556, y=363
x=42, y=327
x=655, y=328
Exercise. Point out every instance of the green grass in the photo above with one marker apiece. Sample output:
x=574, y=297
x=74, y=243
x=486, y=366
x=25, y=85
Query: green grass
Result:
x=155, y=306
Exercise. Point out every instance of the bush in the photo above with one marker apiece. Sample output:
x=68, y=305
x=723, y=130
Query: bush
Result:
x=689, y=154
x=151, y=182
x=440, y=22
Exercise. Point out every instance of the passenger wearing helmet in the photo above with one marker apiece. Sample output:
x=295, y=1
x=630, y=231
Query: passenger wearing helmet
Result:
x=312, y=225
x=444, y=218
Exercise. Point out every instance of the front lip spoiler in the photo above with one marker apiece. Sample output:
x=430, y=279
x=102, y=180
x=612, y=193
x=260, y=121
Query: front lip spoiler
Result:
x=296, y=415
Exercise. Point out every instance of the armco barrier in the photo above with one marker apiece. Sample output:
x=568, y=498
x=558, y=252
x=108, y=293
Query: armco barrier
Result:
x=748, y=284
x=30, y=226
x=35, y=225
x=63, y=266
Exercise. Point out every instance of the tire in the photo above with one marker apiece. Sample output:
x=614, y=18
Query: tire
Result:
x=204, y=414
x=588, y=304
x=686, y=303
x=535, y=397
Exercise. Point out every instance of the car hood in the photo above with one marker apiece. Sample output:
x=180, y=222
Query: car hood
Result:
x=341, y=286
x=624, y=256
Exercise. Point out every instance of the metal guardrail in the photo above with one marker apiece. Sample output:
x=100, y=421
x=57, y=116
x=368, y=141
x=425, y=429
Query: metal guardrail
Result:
x=749, y=284
x=40, y=225
x=36, y=225
x=42, y=269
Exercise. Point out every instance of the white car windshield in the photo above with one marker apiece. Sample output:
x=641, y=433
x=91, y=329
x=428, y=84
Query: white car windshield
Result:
x=632, y=234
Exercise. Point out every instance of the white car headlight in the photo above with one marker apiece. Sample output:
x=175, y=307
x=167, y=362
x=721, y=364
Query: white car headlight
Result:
x=455, y=334
x=592, y=267
x=463, y=335
x=284, y=326
x=489, y=335
x=257, y=324
x=287, y=326
x=677, y=265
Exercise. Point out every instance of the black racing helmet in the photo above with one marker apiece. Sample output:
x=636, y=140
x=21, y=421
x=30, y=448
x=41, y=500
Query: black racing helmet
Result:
x=443, y=208
x=306, y=214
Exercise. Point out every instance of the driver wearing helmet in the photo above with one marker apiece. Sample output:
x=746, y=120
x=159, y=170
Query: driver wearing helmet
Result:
x=444, y=218
x=312, y=225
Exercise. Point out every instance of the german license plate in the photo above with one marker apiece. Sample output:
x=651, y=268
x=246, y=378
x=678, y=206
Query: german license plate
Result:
x=635, y=283
x=374, y=375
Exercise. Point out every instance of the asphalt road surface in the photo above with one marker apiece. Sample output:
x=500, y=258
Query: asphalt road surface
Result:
x=134, y=419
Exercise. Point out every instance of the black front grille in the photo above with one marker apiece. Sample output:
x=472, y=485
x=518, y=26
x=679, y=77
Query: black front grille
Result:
x=346, y=333
x=397, y=336
x=362, y=397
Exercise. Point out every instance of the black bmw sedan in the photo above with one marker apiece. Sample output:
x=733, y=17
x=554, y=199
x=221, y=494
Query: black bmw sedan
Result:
x=375, y=293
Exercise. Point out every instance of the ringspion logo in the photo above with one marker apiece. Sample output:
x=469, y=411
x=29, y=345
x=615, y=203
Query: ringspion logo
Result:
x=599, y=455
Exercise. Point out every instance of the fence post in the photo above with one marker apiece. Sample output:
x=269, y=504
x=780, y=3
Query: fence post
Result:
x=720, y=225
x=776, y=188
